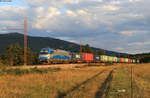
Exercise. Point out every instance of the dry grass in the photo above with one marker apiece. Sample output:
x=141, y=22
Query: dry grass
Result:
x=141, y=78
x=63, y=66
x=121, y=81
x=89, y=89
x=47, y=85
x=53, y=84
x=143, y=71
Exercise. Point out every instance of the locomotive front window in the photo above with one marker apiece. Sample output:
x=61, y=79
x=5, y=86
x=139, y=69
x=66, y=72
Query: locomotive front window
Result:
x=44, y=52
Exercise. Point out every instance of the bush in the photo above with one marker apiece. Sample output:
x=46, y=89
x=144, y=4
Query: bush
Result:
x=2, y=65
x=19, y=71
x=54, y=69
x=94, y=64
x=1, y=72
x=16, y=71
x=37, y=70
x=109, y=63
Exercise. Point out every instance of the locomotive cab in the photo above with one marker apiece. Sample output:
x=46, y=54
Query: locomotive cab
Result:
x=45, y=54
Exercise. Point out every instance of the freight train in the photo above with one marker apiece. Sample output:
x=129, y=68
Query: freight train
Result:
x=52, y=56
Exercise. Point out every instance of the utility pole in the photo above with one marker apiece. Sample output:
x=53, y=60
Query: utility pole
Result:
x=131, y=81
x=25, y=42
x=25, y=28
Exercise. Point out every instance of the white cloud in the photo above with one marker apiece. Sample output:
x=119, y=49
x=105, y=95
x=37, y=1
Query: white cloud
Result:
x=71, y=13
x=44, y=17
x=81, y=12
x=12, y=16
x=110, y=7
x=139, y=43
x=115, y=2
x=71, y=1
x=9, y=11
x=132, y=32
x=135, y=0
x=118, y=49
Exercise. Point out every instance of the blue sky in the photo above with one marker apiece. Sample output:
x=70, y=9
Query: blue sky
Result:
x=14, y=3
x=118, y=25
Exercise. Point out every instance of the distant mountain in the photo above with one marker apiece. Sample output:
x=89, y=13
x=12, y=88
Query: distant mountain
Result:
x=36, y=43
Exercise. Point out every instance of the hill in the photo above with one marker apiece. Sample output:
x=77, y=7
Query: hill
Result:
x=144, y=57
x=36, y=43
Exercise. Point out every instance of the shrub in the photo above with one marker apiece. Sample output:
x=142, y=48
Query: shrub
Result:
x=16, y=71
x=109, y=63
x=54, y=69
x=1, y=72
x=19, y=71
x=2, y=65
x=37, y=70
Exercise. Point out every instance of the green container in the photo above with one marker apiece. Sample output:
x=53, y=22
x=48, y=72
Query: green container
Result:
x=103, y=58
x=125, y=60
x=118, y=59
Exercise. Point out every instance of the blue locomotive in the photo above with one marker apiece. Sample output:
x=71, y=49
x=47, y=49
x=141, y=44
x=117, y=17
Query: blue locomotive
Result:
x=48, y=55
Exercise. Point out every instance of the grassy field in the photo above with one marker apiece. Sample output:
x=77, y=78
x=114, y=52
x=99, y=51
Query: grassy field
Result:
x=141, y=77
x=123, y=86
x=77, y=82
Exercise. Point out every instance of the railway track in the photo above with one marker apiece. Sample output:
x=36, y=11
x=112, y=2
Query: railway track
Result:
x=104, y=89
x=105, y=85
x=137, y=90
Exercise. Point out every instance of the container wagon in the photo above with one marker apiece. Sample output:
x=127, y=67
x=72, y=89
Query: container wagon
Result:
x=87, y=57
x=104, y=58
x=97, y=59
x=48, y=55
x=122, y=60
x=76, y=58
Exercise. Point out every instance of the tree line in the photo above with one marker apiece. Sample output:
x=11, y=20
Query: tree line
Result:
x=14, y=55
x=143, y=57
x=86, y=48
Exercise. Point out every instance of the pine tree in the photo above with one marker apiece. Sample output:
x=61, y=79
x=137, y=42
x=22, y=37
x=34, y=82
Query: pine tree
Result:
x=101, y=52
x=13, y=55
x=86, y=48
